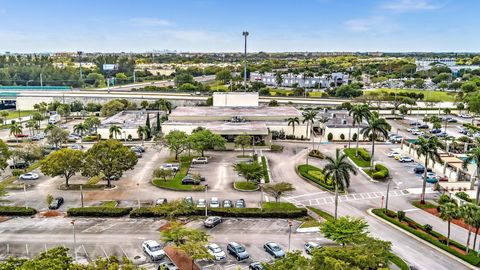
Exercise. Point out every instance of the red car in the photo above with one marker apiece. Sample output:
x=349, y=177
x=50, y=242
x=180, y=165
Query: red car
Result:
x=21, y=135
x=442, y=179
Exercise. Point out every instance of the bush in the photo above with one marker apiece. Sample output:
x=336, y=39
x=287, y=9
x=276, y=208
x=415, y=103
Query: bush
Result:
x=401, y=215
x=342, y=137
x=17, y=172
x=354, y=137
x=315, y=175
x=380, y=172
x=391, y=214
x=99, y=211
x=428, y=228
x=364, y=154
x=464, y=196
x=444, y=198
x=290, y=137
x=17, y=211
x=276, y=148
x=412, y=224
x=330, y=136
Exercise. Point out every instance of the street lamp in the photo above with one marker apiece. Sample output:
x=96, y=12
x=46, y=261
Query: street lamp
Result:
x=388, y=191
x=289, y=233
x=81, y=193
x=261, y=195
x=138, y=201
x=245, y=34
x=206, y=210
x=74, y=240
x=25, y=194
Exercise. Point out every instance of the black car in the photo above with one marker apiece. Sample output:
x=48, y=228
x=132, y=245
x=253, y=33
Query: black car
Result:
x=420, y=169
x=452, y=120
x=435, y=131
x=189, y=180
x=56, y=203
x=19, y=165
x=256, y=266
x=423, y=126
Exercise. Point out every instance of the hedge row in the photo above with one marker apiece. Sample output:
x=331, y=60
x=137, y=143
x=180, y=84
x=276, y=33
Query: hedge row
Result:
x=472, y=127
x=99, y=211
x=363, y=153
x=471, y=257
x=17, y=211
x=229, y=212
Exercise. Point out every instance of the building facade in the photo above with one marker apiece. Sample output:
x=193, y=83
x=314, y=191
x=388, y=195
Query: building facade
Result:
x=290, y=79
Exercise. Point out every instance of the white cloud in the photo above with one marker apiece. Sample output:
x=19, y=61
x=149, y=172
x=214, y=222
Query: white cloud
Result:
x=150, y=22
x=410, y=5
x=374, y=24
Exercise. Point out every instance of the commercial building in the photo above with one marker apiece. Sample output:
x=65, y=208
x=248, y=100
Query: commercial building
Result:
x=426, y=64
x=128, y=121
x=339, y=123
x=289, y=80
x=234, y=114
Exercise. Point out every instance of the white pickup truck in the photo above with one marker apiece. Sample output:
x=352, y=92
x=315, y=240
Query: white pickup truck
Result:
x=171, y=166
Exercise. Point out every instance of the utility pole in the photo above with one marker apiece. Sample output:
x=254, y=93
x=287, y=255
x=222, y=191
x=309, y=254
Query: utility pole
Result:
x=41, y=80
x=80, y=63
x=134, y=78
x=245, y=34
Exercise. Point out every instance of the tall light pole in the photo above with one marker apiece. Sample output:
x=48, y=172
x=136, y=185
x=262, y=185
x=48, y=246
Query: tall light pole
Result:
x=41, y=80
x=74, y=240
x=206, y=209
x=80, y=63
x=289, y=233
x=245, y=34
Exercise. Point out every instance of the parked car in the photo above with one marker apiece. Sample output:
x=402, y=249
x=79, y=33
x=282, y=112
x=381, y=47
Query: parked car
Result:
x=19, y=165
x=153, y=250
x=240, y=203
x=274, y=249
x=75, y=147
x=462, y=130
x=452, y=120
x=200, y=160
x=171, y=166
x=418, y=133
x=412, y=129
x=424, y=126
x=189, y=180
x=442, y=178
x=310, y=246
x=238, y=251
x=432, y=177
x=214, y=202
x=72, y=137
x=29, y=176
x=256, y=266
x=201, y=203
x=465, y=115
x=188, y=200
x=139, y=147
x=405, y=159
x=211, y=222
x=396, y=139
x=441, y=134
x=227, y=204
x=216, y=252
x=56, y=203
x=161, y=201
x=415, y=123
x=167, y=266
x=435, y=131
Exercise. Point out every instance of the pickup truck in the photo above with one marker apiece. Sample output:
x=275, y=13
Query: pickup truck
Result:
x=200, y=160
x=171, y=166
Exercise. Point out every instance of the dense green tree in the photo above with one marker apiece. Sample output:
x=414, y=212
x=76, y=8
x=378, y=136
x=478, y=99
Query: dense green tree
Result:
x=250, y=171
x=112, y=107
x=56, y=136
x=28, y=152
x=110, y=158
x=345, y=230
x=183, y=78
x=4, y=155
x=176, y=141
x=291, y=261
x=224, y=75
x=65, y=162
x=278, y=190
x=243, y=140
x=205, y=139
x=92, y=122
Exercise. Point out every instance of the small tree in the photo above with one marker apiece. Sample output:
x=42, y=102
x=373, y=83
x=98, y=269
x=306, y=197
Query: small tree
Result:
x=57, y=136
x=345, y=230
x=65, y=162
x=243, y=141
x=204, y=139
x=342, y=137
x=250, y=171
x=278, y=190
x=162, y=173
x=330, y=136
x=49, y=199
x=176, y=141
x=448, y=212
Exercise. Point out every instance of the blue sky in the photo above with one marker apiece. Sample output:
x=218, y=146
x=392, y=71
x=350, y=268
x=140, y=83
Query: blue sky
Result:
x=217, y=25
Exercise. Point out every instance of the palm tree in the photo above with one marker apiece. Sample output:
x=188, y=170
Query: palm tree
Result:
x=115, y=130
x=15, y=129
x=292, y=121
x=448, y=212
x=359, y=113
x=31, y=125
x=38, y=118
x=142, y=132
x=309, y=117
x=476, y=225
x=338, y=169
x=93, y=122
x=428, y=148
x=80, y=128
x=376, y=128
x=468, y=212
x=446, y=111
x=323, y=120
x=473, y=157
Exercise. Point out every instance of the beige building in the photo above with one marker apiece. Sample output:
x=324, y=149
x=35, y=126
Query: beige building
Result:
x=128, y=121
x=234, y=114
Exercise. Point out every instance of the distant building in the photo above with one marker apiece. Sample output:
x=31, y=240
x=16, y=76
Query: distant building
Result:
x=289, y=80
x=428, y=63
x=129, y=121
x=339, y=122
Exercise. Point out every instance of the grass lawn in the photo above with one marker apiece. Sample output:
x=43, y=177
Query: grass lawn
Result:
x=350, y=152
x=316, y=94
x=15, y=114
x=427, y=205
x=399, y=262
x=265, y=171
x=176, y=182
x=273, y=92
x=244, y=185
x=309, y=222
x=109, y=204
x=218, y=87
x=321, y=213
x=428, y=95
x=279, y=205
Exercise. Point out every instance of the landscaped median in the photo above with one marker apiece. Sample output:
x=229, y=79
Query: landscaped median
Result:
x=426, y=233
x=245, y=186
x=315, y=175
x=266, y=176
x=17, y=211
x=363, y=159
x=99, y=211
x=175, y=183
x=270, y=210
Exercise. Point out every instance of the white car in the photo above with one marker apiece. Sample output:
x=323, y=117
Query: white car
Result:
x=201, y=203
x=29, y=176
x=405, y=159
x=310, y=246
x=76, y=147
x=465, y=115
x=393, y=154
x=418, y=132
x=200, y=160
x=171, y=166
x=153, y=250
x=216, y=251
x=412, y=129
x=214, y=203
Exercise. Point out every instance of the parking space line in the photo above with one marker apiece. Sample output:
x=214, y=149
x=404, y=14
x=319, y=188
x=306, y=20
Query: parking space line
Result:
x=84, y=250
x=104, y=252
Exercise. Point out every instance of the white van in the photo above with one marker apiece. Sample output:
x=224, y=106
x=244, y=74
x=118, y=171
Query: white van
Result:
x=54, y=119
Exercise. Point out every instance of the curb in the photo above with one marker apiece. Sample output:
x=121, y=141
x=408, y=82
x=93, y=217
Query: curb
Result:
x=360, y=169
x=369, y=211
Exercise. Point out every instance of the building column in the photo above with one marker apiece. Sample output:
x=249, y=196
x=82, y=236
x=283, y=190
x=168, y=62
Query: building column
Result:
x=444, y=167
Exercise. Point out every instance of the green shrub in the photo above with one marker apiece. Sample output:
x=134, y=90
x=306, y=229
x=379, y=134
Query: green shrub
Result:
x=17, y=211
x=316, y=153
x=315, y=175
x=464, y=196
x=381, y=172
x=17, y=172
x=276, y=148
x=401, y=215
x=381, y=168
x=364, y=154
x=342, y=137
x=266, y=177
x=444, y=198
x=428, y=228
x=358, y=160
x=99, y=211
x=330, y=136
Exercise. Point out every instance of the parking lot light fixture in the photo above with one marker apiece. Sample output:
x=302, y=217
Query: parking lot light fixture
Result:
x=81, y=193
x=289, y=233
x=206, y=209
x=138, y=201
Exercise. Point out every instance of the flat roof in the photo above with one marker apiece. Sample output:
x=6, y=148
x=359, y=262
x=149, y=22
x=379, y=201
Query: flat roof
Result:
x=282, y=111
x=131, y=119
x=225, y=128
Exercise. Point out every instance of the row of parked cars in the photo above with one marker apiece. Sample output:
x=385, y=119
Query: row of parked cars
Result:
x=216, y=203
x=397, y=155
